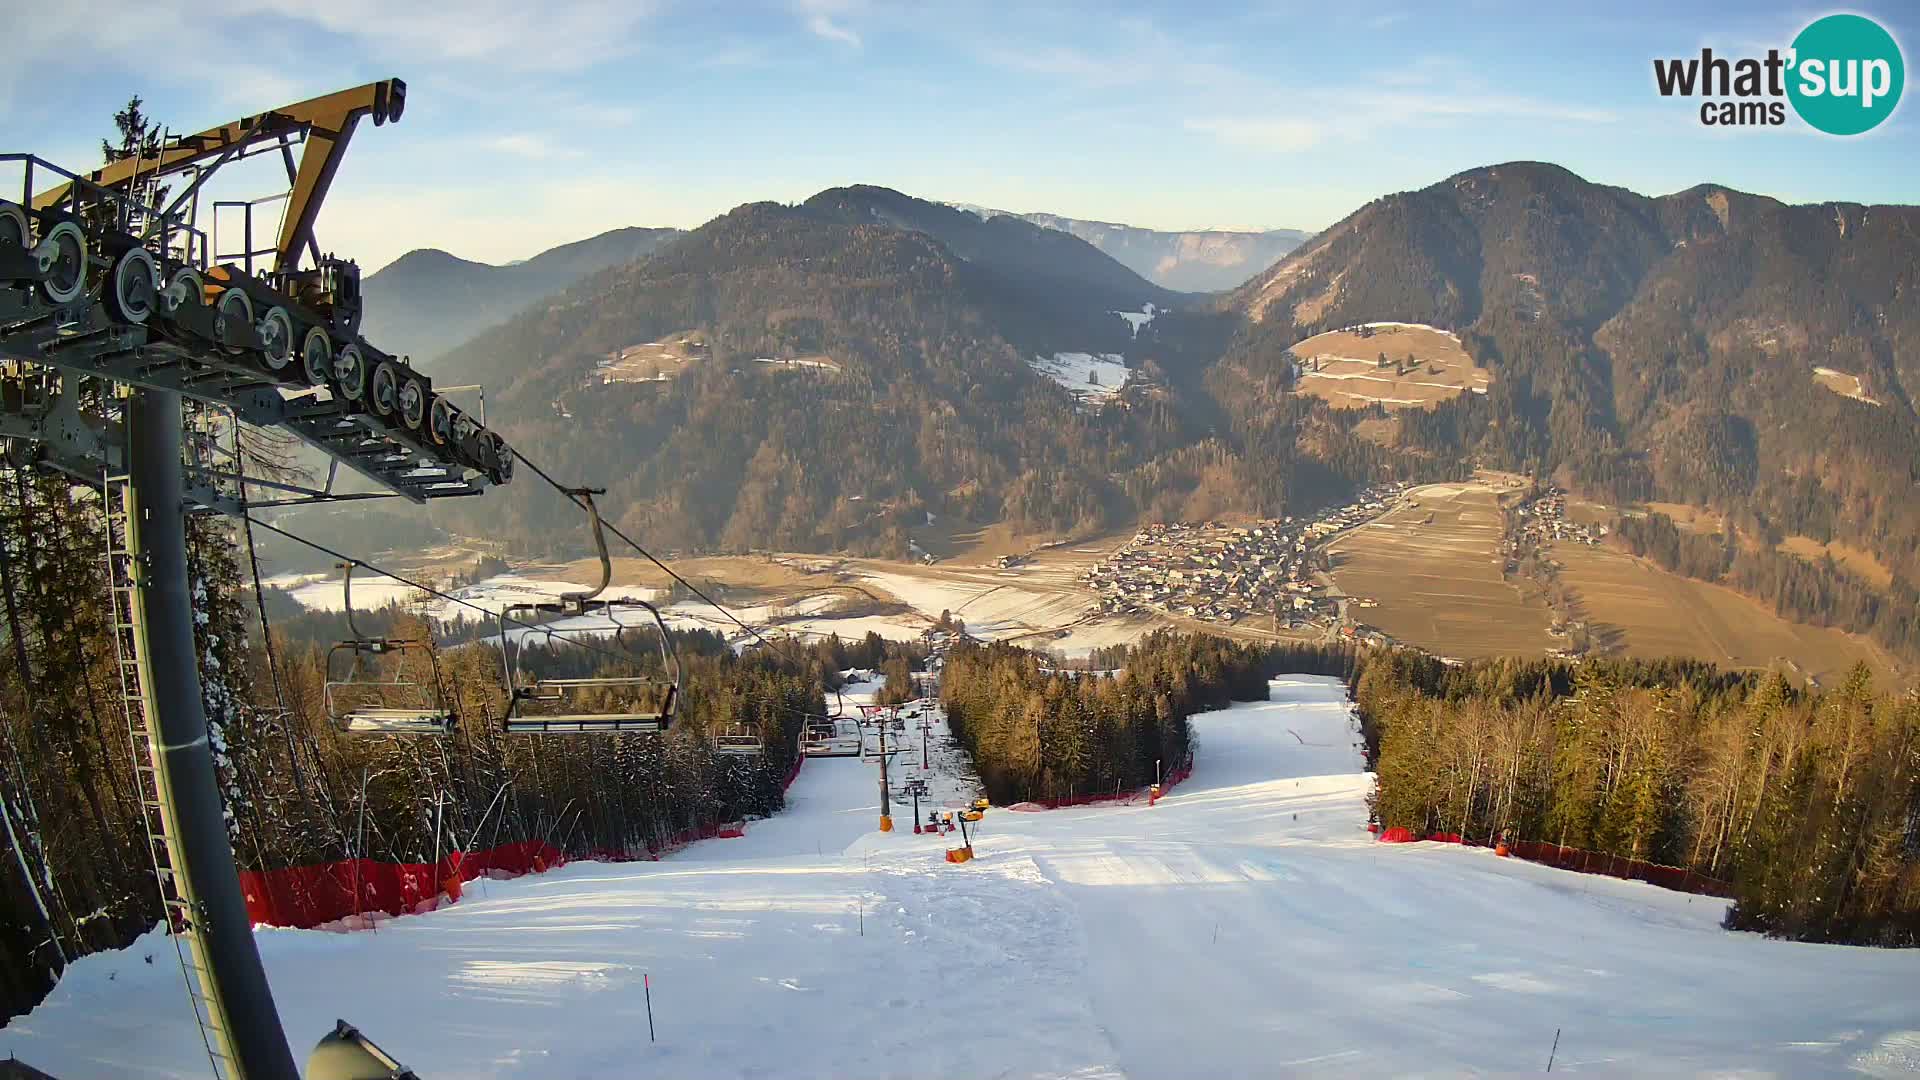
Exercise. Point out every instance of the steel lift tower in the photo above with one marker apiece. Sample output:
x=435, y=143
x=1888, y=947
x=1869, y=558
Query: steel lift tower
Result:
x=113, y=310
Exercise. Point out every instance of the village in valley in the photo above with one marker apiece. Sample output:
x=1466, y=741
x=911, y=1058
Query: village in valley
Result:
x=1214, y=572
x=1542, y=520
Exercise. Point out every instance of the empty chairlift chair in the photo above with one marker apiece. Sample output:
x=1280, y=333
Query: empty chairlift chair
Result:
x=739, y=740
x=591, y=705
x=378, y=696
x=837, y=735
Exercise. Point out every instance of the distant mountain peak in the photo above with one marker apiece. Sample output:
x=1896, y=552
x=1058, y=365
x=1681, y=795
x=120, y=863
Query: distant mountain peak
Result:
x=1194, y=260
x=429, y=301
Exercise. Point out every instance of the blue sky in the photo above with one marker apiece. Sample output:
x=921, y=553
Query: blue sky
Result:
x=528, y=127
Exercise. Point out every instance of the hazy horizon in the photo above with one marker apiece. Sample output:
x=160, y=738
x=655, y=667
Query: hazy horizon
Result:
x=527, y=128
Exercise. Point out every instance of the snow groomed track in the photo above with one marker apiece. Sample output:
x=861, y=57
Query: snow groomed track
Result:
x=1245, y=926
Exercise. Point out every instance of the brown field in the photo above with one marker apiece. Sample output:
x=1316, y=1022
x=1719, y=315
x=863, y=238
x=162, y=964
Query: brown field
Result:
x=654, y=361
x=1636, y=608
x=1438, y=582
x=674, y=354
x=1342, y=367
x=1843, y=384
x=1694, y=519
x=1856, y=561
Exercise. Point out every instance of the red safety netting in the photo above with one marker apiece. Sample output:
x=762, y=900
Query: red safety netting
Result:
x=1677, y=878
x=309, y=896
x=1130, y=797
x=1592, y=862
x=340, y=892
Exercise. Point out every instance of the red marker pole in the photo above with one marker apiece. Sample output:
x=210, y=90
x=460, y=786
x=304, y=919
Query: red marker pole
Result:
x=646, y=982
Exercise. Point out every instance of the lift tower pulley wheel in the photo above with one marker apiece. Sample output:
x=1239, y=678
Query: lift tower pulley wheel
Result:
x=102, y=287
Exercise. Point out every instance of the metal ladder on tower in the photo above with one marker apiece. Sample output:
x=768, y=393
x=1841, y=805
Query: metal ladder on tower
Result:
x=123, y=571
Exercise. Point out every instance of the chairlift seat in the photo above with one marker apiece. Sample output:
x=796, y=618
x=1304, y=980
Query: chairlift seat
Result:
x=422, y=709
x=588, y=724
x=738, y=745
x=383, y=721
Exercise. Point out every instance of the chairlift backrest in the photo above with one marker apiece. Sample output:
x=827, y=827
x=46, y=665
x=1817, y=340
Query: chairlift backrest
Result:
x=553, y=705
x=736, y=741
x=377, y=702
x=547, y=704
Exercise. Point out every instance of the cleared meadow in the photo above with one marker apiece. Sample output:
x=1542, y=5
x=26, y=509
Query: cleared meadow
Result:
x=1638, y=609
x=1343, y=367
x=1434, y=566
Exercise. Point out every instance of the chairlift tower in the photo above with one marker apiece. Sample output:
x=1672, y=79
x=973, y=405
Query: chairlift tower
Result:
x=113, y=309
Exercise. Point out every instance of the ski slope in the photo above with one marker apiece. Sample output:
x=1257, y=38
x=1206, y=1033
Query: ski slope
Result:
x=1243, y=927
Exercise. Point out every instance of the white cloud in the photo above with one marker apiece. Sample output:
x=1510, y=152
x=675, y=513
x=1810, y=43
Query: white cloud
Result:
x=507, y=34
x=1274, y=135
x=826, y=19
x=824, y=26
x=510, y=33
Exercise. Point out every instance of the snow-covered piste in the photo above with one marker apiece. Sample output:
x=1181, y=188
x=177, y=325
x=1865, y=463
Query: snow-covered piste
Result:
x=1243, y=927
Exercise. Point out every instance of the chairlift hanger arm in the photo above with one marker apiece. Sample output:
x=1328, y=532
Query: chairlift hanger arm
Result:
x=584, y=498
x=325, y=122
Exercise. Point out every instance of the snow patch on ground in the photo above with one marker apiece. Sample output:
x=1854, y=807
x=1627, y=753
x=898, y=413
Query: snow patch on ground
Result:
x=1138, y=319
x=1410, y=326
x=991, y=610
x=321, y=592
x=1087, y=375
x=324, y=592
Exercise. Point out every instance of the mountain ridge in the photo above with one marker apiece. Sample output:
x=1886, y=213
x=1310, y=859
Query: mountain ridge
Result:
x=1639, y=348
x=1650, y=348
x=1185, y=260
x=429, y=300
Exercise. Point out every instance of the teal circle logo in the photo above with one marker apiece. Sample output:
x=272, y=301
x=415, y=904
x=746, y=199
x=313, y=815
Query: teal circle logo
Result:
x=1847, y=74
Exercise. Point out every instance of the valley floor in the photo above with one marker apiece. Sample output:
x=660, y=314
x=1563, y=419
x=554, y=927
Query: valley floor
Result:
x=1245, y=926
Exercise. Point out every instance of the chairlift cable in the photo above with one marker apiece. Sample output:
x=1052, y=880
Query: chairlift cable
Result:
x=573, y=497
x=364, y=564
x=260, y=604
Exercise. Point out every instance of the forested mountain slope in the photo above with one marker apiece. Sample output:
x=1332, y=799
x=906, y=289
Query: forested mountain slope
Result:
x=914, y=395
x=826, y=376
x=1650, y=348
x=427, y=301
